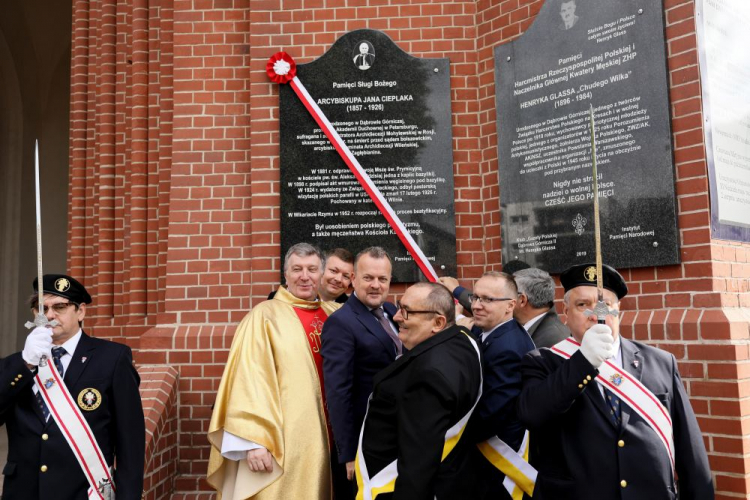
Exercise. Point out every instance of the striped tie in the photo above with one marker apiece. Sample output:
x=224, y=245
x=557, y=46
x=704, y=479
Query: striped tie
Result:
x=57, y=353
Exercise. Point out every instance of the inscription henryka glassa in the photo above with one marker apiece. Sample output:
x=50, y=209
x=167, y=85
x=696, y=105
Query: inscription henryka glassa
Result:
x=609, y=53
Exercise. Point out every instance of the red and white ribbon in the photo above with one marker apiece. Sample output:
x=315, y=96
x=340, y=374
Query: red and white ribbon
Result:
x=282, y=69
x=631, y=392
x=74, y=428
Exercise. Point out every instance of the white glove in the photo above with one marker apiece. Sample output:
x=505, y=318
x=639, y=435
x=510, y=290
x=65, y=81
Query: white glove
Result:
x=38, y=344
x=598, y=344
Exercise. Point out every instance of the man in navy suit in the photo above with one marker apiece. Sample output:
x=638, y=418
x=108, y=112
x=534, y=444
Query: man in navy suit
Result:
x=504, y=344
x=358, y=341
x=102, y=381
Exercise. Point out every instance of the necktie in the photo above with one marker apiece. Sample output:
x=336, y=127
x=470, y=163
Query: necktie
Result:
x=388, y=328
x=613, y=402
x=57, y=353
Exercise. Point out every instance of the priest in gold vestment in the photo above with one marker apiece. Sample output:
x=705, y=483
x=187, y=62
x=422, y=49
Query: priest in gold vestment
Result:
x=268, y=432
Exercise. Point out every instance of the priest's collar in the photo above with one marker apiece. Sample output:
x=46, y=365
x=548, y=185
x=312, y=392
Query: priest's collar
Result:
x=285, y=296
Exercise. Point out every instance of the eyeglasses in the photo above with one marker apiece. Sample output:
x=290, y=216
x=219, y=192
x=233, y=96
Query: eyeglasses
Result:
x=486, y=300
x=59, y=308
x=405, y=312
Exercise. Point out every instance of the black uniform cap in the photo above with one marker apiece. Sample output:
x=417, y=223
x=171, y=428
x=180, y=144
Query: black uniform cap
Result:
x=63, y=286
x=585, y=275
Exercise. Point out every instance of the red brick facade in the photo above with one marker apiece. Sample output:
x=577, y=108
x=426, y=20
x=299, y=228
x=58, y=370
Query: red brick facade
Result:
x=175, y=206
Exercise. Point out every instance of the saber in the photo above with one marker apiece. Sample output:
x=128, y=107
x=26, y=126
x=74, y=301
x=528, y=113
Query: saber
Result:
x=601, y=310
x=40, y=319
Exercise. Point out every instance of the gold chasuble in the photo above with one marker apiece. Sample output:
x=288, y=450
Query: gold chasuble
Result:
x=271, y=394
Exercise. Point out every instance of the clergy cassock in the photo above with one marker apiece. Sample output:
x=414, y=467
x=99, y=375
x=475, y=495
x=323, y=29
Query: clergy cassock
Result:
x=271, y=394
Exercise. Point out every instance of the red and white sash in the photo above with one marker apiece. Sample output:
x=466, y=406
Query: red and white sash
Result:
x=75, y=429
x=281, y=68
x=631, y=392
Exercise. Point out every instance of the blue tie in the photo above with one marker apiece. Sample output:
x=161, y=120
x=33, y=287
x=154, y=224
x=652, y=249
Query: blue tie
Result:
x=57, y=353
x=613, y=402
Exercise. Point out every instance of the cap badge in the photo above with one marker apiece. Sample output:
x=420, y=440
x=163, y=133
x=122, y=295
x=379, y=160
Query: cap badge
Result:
x=616, y=379
x=590, y=273
x=62, y=285
x=89, y=399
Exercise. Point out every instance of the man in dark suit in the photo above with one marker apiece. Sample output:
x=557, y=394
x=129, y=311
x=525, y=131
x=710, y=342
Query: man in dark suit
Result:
x=462, y=294
x=101, y=379
x=586, y=442
x=535, y=308
x=358, y=341
x=504, y=344
x=412, y=436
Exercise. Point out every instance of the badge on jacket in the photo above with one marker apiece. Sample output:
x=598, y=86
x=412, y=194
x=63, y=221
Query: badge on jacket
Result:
x=89, y=399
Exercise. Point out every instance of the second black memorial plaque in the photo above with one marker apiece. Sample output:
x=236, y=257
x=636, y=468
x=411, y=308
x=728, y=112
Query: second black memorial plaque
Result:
x=393, y=112
x=609, y=53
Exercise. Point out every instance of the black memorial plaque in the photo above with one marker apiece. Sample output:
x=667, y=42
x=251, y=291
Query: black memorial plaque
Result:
x=394, y=112
x=609, y=53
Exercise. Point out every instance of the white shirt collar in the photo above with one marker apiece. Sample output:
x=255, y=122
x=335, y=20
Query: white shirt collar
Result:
x=71, y=344
x=533, y=320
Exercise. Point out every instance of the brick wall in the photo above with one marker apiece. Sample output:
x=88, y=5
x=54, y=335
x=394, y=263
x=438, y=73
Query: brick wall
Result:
x=175, y=182
x=160, y=404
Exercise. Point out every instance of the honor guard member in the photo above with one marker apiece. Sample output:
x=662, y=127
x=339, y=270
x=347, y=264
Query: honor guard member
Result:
x=101, y=380
x=504, y=343
x=579, y=400
x=410, y=445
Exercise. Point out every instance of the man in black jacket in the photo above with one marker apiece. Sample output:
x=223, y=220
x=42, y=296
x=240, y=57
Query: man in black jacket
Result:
x=411, y=439
x=101, y=379
x=588, y=443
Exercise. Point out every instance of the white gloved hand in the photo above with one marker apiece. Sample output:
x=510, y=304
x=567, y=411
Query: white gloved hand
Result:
x=38, y=344
x=598, y=344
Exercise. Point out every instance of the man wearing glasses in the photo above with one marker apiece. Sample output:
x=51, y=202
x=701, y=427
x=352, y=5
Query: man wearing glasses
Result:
x=504, y=344
x=609, y=416
x=411, y=444
x=101, y=379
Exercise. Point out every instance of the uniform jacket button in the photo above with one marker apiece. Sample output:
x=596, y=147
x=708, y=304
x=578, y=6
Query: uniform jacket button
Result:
x=43, y=468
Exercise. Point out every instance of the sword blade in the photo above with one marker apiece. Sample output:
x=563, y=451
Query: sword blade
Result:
x=40, y=319
x=597, y=227
x=38, y=229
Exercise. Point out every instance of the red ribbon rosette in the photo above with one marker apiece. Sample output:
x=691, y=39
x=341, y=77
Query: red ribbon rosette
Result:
x=281, y=68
